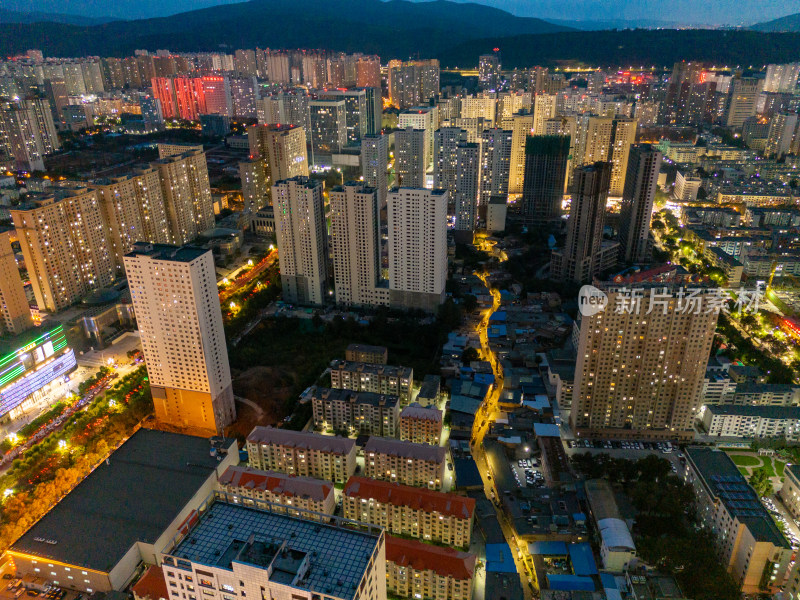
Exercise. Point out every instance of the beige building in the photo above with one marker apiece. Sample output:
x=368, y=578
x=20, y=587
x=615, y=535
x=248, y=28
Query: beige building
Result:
x=356, y=246
x=418, y=570
x=16, y=312
x=300, y=229
x=255, y=190
x=281, y=150
x=749, y=544
x=134, y=211
x=403, y=510
x=370, y=377
x=790, y=492
x=640, y=374
x=365, y=353
x=246, y=485
x=609, y=139
x=354, y=412
x=64, y=242
x=420, y=424
x=174, y=294
x=521, y=127
x=302, y=453
x=187, y=193
x=420, y=465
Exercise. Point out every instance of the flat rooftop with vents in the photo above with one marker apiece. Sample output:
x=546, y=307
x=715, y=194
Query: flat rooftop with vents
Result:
x=330, y=559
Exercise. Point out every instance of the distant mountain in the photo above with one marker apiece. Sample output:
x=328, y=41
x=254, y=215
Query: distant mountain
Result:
x=787, y=23
x=606, y=24
x=638, y=47
x=12, y=16
x=397, y=28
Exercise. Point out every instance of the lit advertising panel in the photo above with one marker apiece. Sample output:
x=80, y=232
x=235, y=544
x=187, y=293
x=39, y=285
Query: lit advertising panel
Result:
x=15, y=394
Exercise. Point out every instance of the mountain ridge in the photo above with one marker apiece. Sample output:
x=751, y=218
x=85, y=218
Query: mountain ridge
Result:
x=789, y=23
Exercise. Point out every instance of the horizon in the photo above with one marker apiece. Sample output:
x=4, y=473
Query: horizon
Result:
x=612, y=13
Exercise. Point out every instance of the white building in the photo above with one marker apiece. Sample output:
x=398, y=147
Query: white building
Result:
x=417, y=247
x=174, y=295
x=752, y=421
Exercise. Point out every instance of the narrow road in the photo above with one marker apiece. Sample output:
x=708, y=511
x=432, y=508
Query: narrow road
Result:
x=485, y=415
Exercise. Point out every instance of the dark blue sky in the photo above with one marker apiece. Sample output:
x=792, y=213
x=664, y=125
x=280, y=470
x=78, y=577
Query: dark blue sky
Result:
x=711, y=12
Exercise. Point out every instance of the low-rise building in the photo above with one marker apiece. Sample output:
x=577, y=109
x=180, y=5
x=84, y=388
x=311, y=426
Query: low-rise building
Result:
x=421, y=425
x=790, y=492
x=749, y=544
x=246, y=485
x=354, y=412
x=365, y=353
x=229, y=551
x=371, y=377
x=745, y=421
x=402, y=510
x=429, y=391
x=766, y=394
x=418, y=570
x=302, y=453
x=420, y=465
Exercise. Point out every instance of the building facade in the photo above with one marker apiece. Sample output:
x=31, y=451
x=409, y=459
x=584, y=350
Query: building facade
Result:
x=354, y=412
x=419, y=465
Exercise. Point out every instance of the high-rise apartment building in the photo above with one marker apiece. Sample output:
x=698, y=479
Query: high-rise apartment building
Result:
x=375, y=164
x=410, y=158
x=255, y=190
x=300, y=229
x=424, y=118
x=216, y=96
x=368, y=71
x=174, y=294
x=374, y=116
x=495, y=163
x=355, y=105
x=489, y=72
x=244, y=94
x=743, y=101
x=580, y=258
x=417, y=247
x=641, y=362
x=445, y=142
x=782, y=129
x=280, y=150
x=546, y=159
x=27, y=132
x=64, y=242
x=782, y=78
x=624, y=136
x=521, y=125
x=467, y=188
x=636, y=209
x=187, y=192
x=328, y=129
x=544, y=108
x=133, y=210
x=15, y=313
x=412, y=83
x=356, y=245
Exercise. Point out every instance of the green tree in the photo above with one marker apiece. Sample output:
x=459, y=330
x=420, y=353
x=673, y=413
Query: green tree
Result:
x=761, y=482
x=469, y=355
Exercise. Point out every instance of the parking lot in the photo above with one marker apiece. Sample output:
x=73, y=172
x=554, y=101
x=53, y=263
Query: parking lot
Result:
x=527, y=472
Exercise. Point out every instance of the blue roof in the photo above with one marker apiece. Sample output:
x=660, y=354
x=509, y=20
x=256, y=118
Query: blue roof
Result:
x=567, y=583
x=548, y=548
x=582, y=559
x=577, y=517
x=467, y=474
x=484, y=378
x=500, y=315
x=505, y=294
x=464, y=404
x=499, y=559
x=546, y=430
x=497, y=331
x=609, y=581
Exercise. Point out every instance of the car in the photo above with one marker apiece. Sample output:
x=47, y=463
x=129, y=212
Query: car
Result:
x=450, y=466
x=8, y=576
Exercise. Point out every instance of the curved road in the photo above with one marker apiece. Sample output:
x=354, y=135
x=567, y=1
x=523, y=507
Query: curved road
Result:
x=483, y=419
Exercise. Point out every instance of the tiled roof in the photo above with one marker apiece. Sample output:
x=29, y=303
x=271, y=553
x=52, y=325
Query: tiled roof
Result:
x=394, y=447
x=301, y=439
x=152, y=585
x=417, y=498
x=277, y=483
x=445, y=562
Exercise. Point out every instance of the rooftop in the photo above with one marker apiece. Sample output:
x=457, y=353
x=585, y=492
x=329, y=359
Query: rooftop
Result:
x=747, y=410
x=277, y=483
x=341, y=395
x=301, y=439
x=338, y=556
x=167, y=252
x=446, y=562
x=724, y=481
x=417, y=498
x=123, y=501
x=151, y=585
x=417, y=411
x=378, y=369
x=392, y=447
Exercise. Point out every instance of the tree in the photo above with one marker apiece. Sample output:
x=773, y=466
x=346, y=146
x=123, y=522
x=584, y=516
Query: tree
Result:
x=761, y=482
x=469, y=355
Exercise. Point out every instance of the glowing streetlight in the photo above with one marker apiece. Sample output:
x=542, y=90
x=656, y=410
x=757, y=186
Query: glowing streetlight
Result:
x=62, y=444
x=7, y=492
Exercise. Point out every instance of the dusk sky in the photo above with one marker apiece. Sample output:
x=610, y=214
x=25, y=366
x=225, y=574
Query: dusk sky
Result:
x=712, y=12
